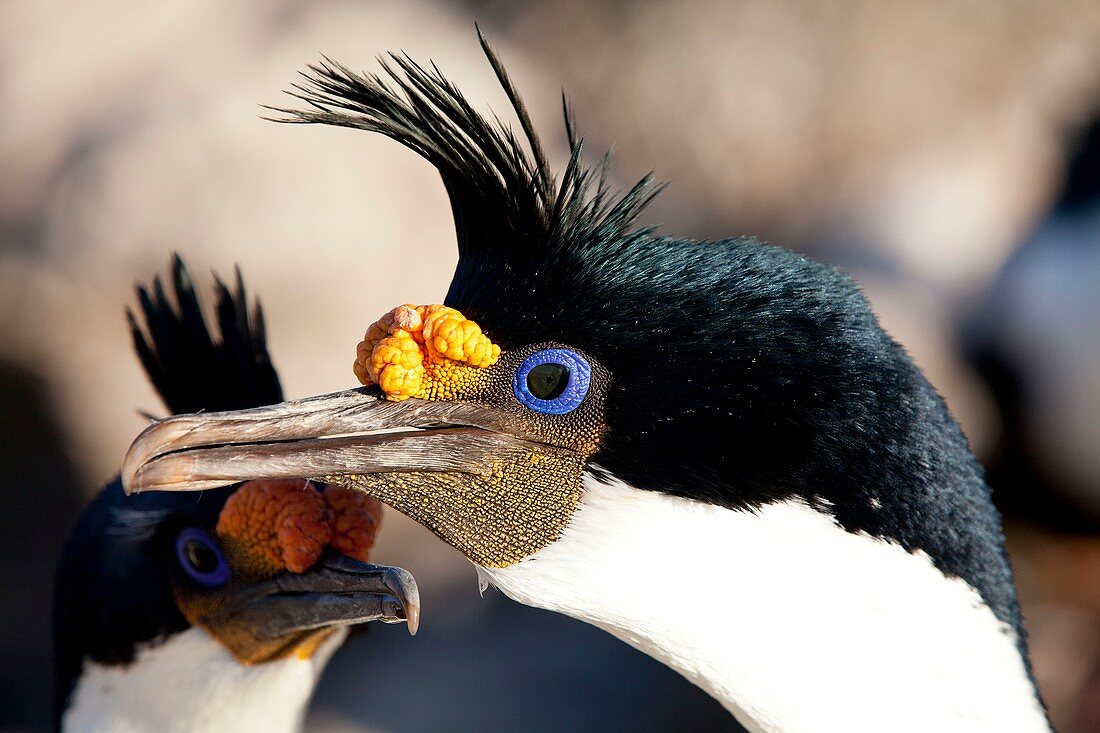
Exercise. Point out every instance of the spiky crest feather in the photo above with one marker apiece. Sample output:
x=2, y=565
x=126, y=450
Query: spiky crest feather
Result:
x=503, y=194
x=189, y=369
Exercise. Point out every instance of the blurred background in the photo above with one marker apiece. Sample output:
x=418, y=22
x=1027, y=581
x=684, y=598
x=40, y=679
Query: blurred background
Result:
x=946, y=153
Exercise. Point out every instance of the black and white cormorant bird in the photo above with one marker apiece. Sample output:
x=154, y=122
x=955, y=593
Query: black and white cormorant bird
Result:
x=171, y=612
x=710, y=449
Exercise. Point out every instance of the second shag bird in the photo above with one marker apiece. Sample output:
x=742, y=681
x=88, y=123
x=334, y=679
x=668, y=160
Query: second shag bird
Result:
x=711, y=450
x=215, y=611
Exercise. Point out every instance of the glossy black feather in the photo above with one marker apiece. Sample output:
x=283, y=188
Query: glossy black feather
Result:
x=192, y=370
x=503, y=197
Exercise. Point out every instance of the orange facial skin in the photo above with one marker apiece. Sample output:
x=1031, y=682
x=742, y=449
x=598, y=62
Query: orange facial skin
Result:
x=424, y=351
x=285, y=524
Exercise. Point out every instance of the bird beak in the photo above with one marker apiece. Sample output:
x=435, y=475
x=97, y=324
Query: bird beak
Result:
x=471, y=472
x=340, y=591
x=353, y=432
x=269, y=618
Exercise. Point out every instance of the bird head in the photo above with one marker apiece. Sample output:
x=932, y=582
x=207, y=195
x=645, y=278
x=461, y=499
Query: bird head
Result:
x=490, y=457
x=285, y=566
x=577, y=352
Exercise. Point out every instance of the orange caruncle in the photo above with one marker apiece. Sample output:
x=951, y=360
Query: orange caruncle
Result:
x=422, y=351
x=355, y=520
x=283, y=522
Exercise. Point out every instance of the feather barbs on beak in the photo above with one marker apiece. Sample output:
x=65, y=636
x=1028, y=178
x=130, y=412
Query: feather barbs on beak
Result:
x=425, y=351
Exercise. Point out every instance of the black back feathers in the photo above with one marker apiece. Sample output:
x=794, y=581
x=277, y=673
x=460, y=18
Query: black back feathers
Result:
x=189, y=368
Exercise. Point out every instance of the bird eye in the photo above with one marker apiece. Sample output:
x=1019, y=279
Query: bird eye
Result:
x=201, y=558
x=552, y=381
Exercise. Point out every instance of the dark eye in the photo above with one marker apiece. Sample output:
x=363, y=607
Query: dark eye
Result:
x=552, y=381
x=547, y=381
x=201, y=558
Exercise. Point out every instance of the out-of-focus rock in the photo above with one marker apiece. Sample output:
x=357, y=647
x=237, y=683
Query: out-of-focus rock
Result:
x=933, y=132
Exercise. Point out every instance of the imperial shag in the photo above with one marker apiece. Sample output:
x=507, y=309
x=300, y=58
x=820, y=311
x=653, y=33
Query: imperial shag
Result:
x=212, y=612
x=711, y=450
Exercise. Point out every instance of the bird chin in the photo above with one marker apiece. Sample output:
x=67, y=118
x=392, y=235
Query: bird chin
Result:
x=248, y=650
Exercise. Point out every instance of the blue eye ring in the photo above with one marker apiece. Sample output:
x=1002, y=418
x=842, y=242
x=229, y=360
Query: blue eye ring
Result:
x=569, y=397
x=201, y=558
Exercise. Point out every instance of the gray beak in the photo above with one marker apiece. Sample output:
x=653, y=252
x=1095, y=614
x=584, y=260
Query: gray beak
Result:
x=340, y=591
x=352, y=432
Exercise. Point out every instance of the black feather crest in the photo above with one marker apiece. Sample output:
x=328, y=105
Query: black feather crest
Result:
x=189, y=369
x=503, y=194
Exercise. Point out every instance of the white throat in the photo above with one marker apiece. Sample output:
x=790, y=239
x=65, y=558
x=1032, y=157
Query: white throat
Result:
x=191, y=683
x=791, y=622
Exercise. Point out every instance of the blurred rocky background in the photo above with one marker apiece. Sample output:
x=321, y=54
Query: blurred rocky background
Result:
x=944, y=152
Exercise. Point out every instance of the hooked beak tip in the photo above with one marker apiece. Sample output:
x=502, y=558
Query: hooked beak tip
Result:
x=407, y=593
x=412, y=619
x=156, y=438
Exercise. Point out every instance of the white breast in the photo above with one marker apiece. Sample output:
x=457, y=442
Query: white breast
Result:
x=792, y=622
x=191, y=683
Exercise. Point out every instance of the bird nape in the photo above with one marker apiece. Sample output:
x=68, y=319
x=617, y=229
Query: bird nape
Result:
x=212, y=611
x=711, y=450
